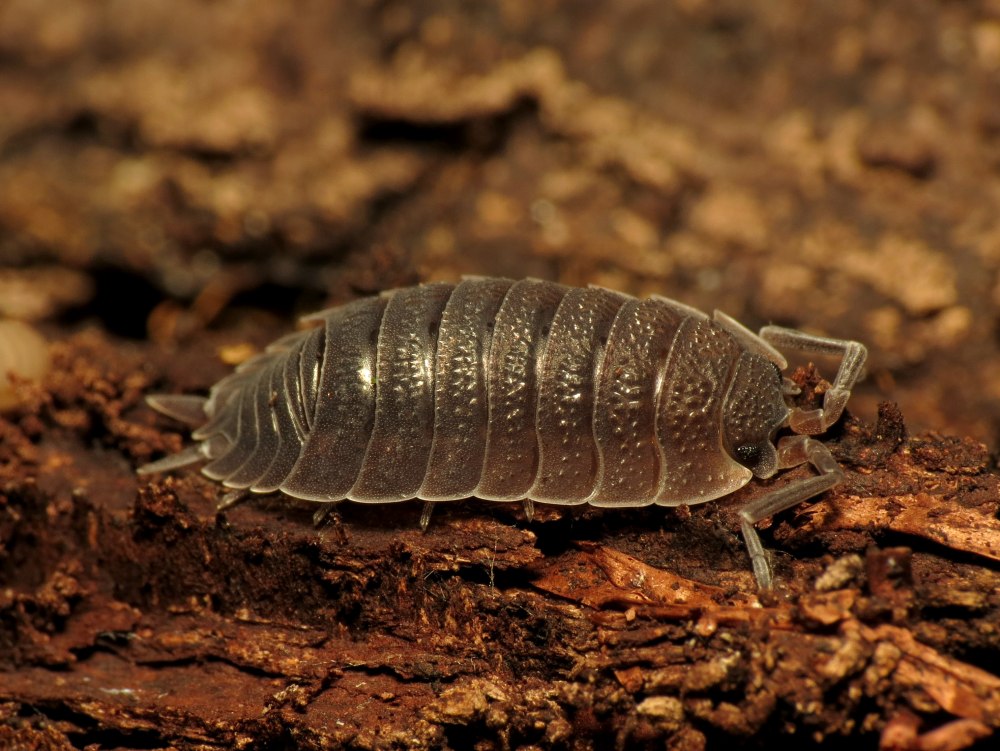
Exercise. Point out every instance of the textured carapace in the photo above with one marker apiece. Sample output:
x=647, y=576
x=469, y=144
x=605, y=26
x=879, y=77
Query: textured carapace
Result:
x=509, y=390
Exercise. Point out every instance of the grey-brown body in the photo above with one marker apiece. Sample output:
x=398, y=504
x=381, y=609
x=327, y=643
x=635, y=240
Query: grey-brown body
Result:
x=505, y=390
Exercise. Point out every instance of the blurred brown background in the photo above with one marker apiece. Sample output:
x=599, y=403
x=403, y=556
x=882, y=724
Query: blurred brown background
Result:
x=167, y=167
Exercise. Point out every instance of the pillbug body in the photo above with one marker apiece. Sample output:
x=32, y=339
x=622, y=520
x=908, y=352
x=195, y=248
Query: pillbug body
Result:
x=509, y=390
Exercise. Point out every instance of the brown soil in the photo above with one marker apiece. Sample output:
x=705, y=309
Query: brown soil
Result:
x=179, y=180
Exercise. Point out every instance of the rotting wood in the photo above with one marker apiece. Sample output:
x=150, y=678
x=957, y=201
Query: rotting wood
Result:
x=131, y=611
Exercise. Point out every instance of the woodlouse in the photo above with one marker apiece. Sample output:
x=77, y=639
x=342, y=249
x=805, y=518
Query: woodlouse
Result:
x=509, y=390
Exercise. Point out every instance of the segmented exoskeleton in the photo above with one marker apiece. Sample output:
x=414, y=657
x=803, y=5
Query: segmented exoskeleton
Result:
x=509, y=390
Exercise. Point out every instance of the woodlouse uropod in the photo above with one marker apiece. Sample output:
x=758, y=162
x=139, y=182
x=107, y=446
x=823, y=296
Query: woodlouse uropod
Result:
x=526, y=390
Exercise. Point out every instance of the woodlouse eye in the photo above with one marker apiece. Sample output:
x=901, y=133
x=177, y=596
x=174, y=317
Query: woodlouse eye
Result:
x=748, y=454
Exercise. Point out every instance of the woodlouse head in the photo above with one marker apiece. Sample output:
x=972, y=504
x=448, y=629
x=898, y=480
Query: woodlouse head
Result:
x=753, y=412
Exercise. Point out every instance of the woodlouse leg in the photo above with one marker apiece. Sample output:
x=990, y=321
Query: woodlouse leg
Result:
x=323, y=512
x=792, y=451
x=529, y=508
x=852, y=354
x=425, y=515
x=232, y=498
